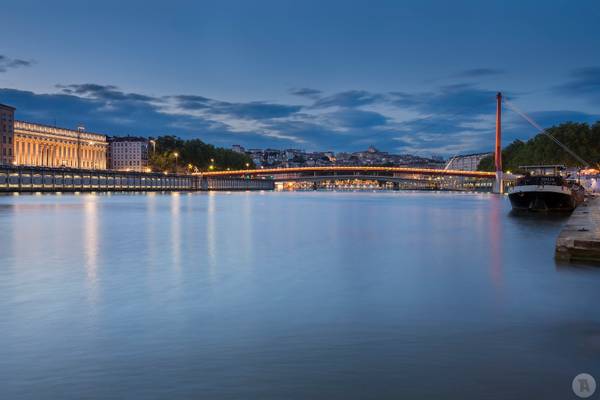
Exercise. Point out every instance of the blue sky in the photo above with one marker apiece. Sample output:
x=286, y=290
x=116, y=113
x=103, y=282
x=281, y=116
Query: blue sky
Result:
x=406, y=76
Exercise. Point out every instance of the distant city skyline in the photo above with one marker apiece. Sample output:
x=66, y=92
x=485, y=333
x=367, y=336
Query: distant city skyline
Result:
x=417, y=77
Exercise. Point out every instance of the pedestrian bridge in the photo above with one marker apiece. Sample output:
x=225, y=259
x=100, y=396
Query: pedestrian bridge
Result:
x=354, y=172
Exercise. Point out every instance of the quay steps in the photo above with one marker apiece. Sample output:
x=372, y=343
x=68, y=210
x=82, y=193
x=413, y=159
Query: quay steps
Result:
x=579, y=239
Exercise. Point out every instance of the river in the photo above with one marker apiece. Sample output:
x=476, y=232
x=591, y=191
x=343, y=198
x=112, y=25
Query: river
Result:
x=301, y=295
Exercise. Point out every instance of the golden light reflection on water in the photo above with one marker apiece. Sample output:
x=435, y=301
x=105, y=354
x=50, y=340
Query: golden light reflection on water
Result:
x=91, y=244
x=151, y=232
x=211, y=234
x=246, y=226
x=176, y=230
x=495, y=238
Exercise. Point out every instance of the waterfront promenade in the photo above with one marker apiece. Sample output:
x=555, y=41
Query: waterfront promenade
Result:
x=36, y=179
x=579, y=239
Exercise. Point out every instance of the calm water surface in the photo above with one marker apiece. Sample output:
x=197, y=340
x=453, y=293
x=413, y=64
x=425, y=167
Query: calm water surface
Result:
x=315, y=295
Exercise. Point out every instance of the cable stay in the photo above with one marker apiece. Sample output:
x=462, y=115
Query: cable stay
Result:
x=544, y=131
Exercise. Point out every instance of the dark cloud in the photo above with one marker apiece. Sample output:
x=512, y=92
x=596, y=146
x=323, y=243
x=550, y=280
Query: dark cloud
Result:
x=357, y=119
x=585, y=82
x=257, y=110
x=96, y=113
x=451, y=119
x=463, y=99
x=107, y=110
x=317, y=136
x=192, y=102
x=440, y=125
x=251, y=110
x=349, y=99
x=103, y=92
x=455, y=118
x=312, y=94
x=7, y=63
x=479, y=73
x=449, y=135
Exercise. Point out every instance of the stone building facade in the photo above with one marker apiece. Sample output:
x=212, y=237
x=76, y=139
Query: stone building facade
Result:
x=48, y=146
x=7, y=115
x=128, y=153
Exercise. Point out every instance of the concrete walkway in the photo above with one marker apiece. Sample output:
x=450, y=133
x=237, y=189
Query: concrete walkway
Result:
x=579, y=239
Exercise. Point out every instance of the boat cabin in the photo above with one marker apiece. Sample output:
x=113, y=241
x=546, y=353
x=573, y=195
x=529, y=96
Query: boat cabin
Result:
x=543, y=170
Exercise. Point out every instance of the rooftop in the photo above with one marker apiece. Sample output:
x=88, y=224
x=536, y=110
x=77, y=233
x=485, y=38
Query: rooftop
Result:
x=35, y=127
x=7, y=107
x=127, y=139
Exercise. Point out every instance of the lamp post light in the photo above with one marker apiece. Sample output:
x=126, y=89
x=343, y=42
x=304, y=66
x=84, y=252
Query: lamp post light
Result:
x=153, y=142
x=176, y=154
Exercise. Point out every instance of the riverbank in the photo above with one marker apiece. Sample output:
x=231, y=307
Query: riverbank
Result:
x=42, y=179
x=579, y=239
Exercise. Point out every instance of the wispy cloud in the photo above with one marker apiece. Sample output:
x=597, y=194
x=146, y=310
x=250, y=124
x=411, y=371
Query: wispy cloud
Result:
x=103, y=92
x=349, y=99
x=446, y=120
x=7, y=63
x=457, y=99
x=249, y=110
x=584, y=82
x=312, y=94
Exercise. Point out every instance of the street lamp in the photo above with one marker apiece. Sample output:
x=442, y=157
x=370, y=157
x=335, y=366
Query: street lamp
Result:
x=153, y=146
x=176, y=154
x=247, y=165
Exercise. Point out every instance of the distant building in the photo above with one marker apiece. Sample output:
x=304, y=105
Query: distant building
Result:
x=49, y=146
x=238, y=149
x=128, y=153
x=468, y=162
x=7, y=116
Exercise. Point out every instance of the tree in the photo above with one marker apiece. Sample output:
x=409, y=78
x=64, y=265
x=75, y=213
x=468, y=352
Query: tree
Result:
x=579, y=137
x=194, y=155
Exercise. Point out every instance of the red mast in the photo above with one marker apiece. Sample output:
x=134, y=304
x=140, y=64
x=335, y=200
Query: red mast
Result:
x=498, y=152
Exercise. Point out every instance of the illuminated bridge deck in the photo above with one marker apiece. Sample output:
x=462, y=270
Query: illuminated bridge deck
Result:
x=283, y=173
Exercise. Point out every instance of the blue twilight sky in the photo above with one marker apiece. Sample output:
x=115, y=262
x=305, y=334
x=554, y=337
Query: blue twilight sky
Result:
x=406, y=76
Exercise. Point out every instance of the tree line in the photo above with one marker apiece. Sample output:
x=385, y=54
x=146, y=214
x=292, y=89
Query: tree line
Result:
x=171, y=153
x=581, y=138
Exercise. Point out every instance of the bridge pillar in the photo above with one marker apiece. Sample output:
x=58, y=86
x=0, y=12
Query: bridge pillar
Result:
x=498, y=185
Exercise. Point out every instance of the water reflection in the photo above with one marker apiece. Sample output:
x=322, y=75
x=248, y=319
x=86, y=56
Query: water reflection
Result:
x=176, y=228
x=91, y=244
x=304, y=295
x=151, y=229
x=495, y=235
x=211, y=232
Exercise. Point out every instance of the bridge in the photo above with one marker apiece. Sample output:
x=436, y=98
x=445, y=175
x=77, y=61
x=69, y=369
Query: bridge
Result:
x=385, y=174
x=398, y=177
x=336, y=172
x=407, y=177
